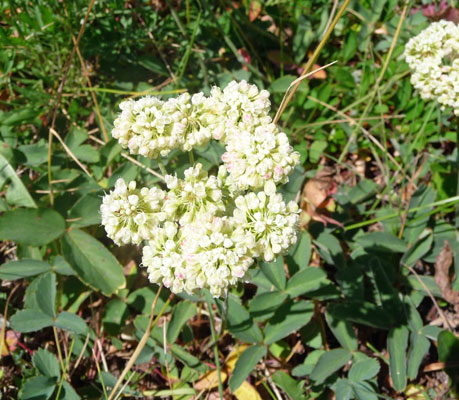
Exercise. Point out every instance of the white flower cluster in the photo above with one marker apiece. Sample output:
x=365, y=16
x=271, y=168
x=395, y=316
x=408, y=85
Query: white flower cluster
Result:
x=433, y=55
x=204, y=231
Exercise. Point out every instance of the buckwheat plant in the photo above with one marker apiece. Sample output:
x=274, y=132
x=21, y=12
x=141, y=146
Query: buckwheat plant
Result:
x=433, y=55
x=205, y=231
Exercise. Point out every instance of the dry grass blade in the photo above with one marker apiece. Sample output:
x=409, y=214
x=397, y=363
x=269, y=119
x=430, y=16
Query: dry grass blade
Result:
x=69, y=152
x=139, y=347
x=313, y=58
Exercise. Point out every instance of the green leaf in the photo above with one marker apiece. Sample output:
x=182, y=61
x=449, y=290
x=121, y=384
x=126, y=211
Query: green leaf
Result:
x=306, y=280
x=71, y=322
x=181, y=314
x=287, y=319
x=17, y=193
x=87, y=210
x=308, y=364
x=343, y=331
x=383, y=241
x=31, y=226
x=281, y=85
x=418, y=250
x=264, y=305
x=245, y=365
x=13, y=270
x=275, y=272
x=448, y=352
x=46, y=363
x=329, y=363
x=240, y=323
x=45, y=294
x=293, y=388
x=68, y=392
x=419, y=347
x=37, y=388
x=30, y=321
x=364, y=370
x=302, y=253
x=93, y=263
x=397, y=343
x=115, y=314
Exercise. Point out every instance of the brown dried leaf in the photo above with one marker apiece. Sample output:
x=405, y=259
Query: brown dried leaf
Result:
x=442, y=278
x=210, y=380
x=247, y=392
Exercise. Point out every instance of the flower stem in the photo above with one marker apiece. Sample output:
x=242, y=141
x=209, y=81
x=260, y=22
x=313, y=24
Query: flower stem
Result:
x=191, y=157
x=214, y=339
x=161, y=166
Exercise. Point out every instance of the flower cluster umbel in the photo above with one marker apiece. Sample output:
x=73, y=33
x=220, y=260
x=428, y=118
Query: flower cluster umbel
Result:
x=433, y=55
x=204, y=231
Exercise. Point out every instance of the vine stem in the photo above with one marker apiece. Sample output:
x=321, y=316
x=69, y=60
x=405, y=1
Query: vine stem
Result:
x=161, y=166
x=142, y=342
x=214, y=339
x=191, y=157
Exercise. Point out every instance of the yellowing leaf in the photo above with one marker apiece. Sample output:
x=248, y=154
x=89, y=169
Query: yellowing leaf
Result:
x=210, y=380
x=232, y=357
x=247, y=392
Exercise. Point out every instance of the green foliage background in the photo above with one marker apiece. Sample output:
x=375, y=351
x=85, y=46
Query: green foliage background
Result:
x=347, y=311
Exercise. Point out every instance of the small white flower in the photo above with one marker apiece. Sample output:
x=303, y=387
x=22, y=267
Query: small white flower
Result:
x=257, y=156
x=129, y=214
x=265, y=223
x=433, y=56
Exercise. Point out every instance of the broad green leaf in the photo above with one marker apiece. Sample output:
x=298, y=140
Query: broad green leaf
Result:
x=71, y=322
x=288, y=318
x=30, y=321
x=187, y=358
x=308, y=364
x=383, y=241
x=264, y=305
x=343, y=390
x=418, y=250
x=86, y=210
x=448, y=351
x=363, y=390
x=397, y=343
x=13, y=270
x=181, y=314
x=291, y=386
x=93, y=263
x=142, y=299
x=419, y=346
x=364, y=370
x=343, y=331
x=281, y=85
x=330, y=362
x=31, y=226
x=38, y=388
x=245, y=365
x=275, y=272
x=240, y=323
x=115, y=314
x=302, y=253
x=330, y=249
x=362, y=313
x=45, y=295
x=306, y=280
x=46, y=363
x=68, y=392
x=429, y=282
x=17, y=193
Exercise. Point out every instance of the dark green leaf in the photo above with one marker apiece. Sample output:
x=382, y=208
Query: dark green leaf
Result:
x=275, y=272
x=293, y=388
x=343, y=331
x=306, y=280
x=302, y=253
x=13, y=270
x=245, y=365
x=38, y=388
x=71, y=322
x=181, y=314
x=264, y=305
x=31, y=226
x=418, y=250
x=45, y=295
x=329, y=363
x=93, y=263
x=30, y=321
x=419, y=346
x=86, y=210
x=46, y=363
x=287, y=319
x=397, y=343
x=383, y=241
x=364, y=370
